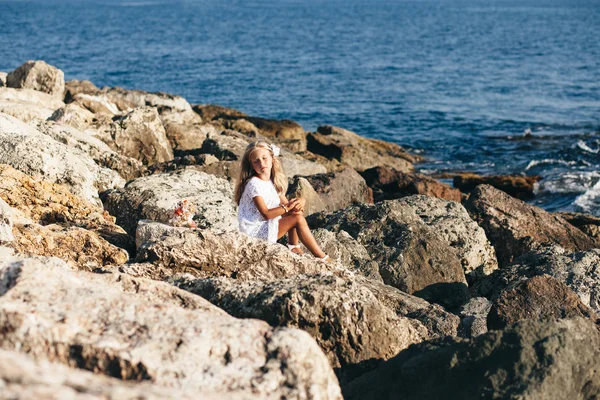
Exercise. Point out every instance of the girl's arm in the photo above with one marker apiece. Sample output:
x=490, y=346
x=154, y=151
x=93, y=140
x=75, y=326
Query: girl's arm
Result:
x=268, y=213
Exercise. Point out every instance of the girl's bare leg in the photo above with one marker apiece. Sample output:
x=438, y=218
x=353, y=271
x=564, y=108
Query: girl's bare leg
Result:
x=298, y=222
x=293, y=239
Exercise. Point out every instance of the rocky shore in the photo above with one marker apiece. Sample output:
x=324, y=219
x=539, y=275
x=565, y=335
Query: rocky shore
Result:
x=437, y=291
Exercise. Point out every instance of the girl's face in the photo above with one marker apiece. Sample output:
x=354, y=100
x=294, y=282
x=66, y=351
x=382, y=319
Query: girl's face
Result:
x=262, y=162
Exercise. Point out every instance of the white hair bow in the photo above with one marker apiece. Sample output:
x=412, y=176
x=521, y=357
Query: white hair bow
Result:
x=276, y=150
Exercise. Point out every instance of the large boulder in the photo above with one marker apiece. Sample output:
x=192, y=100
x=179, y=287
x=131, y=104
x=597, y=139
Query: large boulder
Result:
x=451, y=222
x=38, y=155
x=73, y=115
x=537, y=298
x=140, y=98
x=388, y=184
x=136, y=329
x=28, y=105
x=155, y=197
x=530, y=360
x=412, y=256
x=210, y=112
x=349, y=323
x=129, y=168
x=38, y=75
x=521, y=187
x=579, y=271
x=139, y=134
x=331, y=191
x=515, y=227
x=358, y=152
x=204, y=253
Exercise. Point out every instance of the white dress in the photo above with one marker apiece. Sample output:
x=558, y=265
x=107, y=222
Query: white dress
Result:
x=250, y=220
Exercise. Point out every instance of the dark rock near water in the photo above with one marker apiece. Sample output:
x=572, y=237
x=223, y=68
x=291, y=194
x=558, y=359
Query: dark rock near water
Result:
x=358, y=152
x=515, y=227
x=537, y=298
x=521, y=187
x=530, y=360
x=388, y=183
x=210, y=112
x=587, y=223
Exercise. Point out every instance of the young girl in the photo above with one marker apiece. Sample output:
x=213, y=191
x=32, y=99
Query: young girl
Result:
x=264, y=211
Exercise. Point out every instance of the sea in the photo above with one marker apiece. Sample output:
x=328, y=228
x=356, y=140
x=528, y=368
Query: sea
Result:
x=486, y=86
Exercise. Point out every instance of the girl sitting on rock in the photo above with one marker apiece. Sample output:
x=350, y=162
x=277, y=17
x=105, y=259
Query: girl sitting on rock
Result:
x=264, y=211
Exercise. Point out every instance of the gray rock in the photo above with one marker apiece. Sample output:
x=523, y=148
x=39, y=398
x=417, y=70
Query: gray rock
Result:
x=530, y=360
x=412, y=256
x=6, y=223
x=129, y=168
x=579, y=271
x=352, y=327
x=74, y=116
x=331, y=191
x=349, y=252
x=139, y=134
x=515, y=227
x=38, y=75
x=155, y=197
x=137, y=329
x=27, y=104
x=473, y=317
x=22, y=378
x=99, y=104
x=452, y=222
x=38, y=155
x=204, y=253
x=139, y=98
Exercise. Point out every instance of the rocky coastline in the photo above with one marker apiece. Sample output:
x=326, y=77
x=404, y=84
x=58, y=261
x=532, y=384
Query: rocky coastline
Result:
x=437, y=291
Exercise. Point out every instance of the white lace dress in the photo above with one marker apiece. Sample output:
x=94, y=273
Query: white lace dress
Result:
x=250, y=220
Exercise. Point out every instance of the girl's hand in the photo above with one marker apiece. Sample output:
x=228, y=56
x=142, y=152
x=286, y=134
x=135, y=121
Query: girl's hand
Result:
x=297, y=204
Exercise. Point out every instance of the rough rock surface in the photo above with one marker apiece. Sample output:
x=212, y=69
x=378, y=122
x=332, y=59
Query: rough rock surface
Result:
x=155, y=197
x=3, y=79
x=232, y=255
x=515, y=227
x=139, y=134
x=129, y=328
x=352, y=327
x=388, y=184
x=530, y=360
x=74, y=116
x=587, y=223
x=473, y=317
x=521, y=187
x=84, y=249
x=579, y=271
x=38, y=75
x=349, y=252
x=28, y=105
x=129, y=168
x=6, y=223
x=412, y=256
x=358, y=152
x=22, y=378
x=451, y=221
x=331, y=191
x=140, y=98
x=40, y=156
x=537, y=298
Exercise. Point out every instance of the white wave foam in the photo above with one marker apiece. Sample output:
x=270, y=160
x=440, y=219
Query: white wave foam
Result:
x=581, y=144
x=534, y=163
x=590, y=200
x=571, y=182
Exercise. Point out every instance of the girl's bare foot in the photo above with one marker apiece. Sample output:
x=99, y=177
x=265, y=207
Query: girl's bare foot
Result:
x=295, y=248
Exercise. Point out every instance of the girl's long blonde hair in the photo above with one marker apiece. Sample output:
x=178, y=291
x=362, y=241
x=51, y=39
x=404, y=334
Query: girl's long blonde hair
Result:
x=246, y=171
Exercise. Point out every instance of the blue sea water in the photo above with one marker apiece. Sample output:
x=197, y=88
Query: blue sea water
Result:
x=460, y=82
